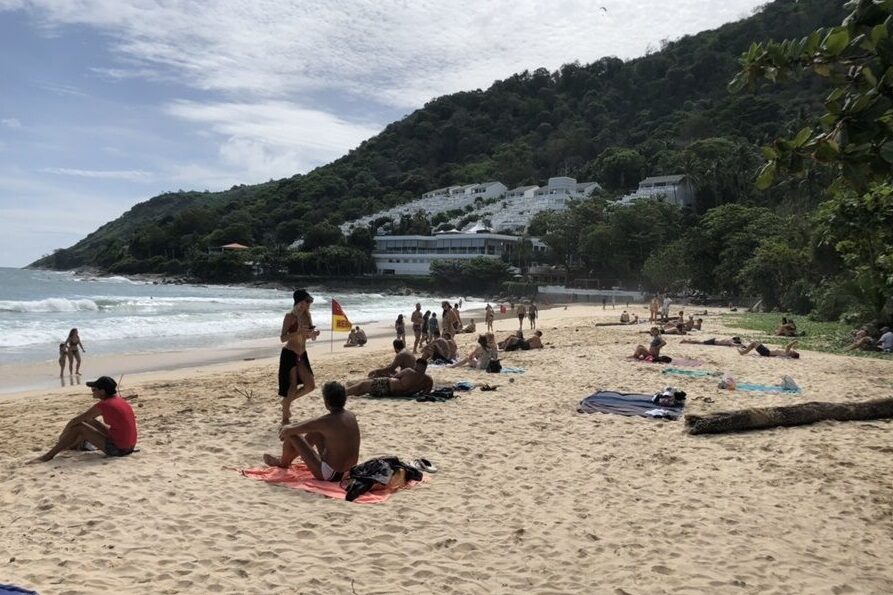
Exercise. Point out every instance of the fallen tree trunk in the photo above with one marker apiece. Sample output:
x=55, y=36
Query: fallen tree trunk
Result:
x=789, y=415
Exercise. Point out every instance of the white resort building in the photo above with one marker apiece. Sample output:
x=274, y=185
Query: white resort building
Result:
x=413, y=255
x=676, y=190
x=508, y=210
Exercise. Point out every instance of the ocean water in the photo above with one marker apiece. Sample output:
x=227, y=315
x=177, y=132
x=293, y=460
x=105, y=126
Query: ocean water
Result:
x=119, y=315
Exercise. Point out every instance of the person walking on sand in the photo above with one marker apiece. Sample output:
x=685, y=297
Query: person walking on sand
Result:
x=433, y=327
x=295, y=374
x=417, y=319
x=653, y=309
x=115, y=435
x=75, y=346
x=532, y=314
x=666, y=307
x=328, y=445
x=63, y=357
x=400, y=327
x=521, y=312
x=426, y=332
x=489, y=315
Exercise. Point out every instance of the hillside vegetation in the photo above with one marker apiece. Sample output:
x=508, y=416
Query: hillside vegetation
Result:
x=611, y=121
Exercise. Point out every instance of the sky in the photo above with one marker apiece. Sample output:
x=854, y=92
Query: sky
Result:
x=106, y=103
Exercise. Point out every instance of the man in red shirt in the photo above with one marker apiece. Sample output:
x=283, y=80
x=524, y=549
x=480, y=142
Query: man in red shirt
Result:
x=115, y=435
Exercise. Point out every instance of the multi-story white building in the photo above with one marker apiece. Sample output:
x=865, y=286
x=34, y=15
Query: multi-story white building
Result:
x=675, y=189
x=522, y=192
x=413, y=255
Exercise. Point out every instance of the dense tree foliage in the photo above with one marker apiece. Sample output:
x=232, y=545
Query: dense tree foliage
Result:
x=660, y=114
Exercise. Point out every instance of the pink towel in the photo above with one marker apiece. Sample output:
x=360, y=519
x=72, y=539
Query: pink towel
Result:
x=299, y=477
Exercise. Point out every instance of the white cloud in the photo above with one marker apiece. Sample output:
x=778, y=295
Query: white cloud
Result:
x=397, y=52
x=126, y=174
x=10, y=123
x=274, y=139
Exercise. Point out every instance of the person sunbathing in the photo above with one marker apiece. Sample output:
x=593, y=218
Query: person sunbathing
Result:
x=515, y=336
x=481, y=356
x=733, y=342
x=536, y=341
x=624, y=317
x=454, y=349
x=470, y=327
x=787, y=328
x=766, y=352
x=862, y=341
x=407, y=382
x=438, y=350
x=115, y=435
x=653, y=349
x=402, y=360
x=678, y=329
x=328, y=445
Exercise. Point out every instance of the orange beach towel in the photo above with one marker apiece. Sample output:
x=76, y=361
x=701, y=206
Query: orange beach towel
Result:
x=299, y=477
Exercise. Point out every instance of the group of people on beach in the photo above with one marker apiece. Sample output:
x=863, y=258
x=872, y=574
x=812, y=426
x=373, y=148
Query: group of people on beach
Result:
x=70, y=353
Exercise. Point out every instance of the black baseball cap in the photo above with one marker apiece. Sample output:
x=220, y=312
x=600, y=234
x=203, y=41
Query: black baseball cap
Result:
x=301, y=295
x=104, y=383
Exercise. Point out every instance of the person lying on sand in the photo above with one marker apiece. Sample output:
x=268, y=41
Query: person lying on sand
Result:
x=407, y=382
x=438, y=350
x=328, y=445
x=517, y=342
x=864, y=341
x=402, y=360
x=733, y=342
x=692, y=324
x=678, y=329
x=766, y=352
x=115, y=435
x=653, y=349
x=470, y=327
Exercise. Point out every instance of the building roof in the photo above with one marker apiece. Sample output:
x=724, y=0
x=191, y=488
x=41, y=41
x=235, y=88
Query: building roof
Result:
x=449, y=235
x=664, y=179
x=523, y=188
x=488, y=184
x=234, y=246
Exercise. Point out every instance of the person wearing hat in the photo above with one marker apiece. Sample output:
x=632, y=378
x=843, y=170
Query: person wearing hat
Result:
x=294, y=365
x=115, y=435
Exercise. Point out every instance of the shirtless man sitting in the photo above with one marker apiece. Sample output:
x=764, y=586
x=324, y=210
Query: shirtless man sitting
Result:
x=787, y=328
x=402, y=360
x=733, y=342
x=437, y=350
x=328, y=445
x=454, y=349
x=408, y=381
x=766, y=352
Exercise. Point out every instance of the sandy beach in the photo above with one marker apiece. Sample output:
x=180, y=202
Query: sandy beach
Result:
x=531, y=496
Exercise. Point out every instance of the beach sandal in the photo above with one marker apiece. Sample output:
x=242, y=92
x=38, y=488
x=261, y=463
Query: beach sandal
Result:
x=424, y=465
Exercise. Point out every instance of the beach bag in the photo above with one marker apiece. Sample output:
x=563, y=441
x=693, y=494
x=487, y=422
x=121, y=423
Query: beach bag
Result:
x=377, y=472
x=494, y=367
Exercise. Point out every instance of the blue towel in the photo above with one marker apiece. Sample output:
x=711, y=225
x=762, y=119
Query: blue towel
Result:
x=13, y=590
x=608, y=401
x=766, y=388
x=510, y=370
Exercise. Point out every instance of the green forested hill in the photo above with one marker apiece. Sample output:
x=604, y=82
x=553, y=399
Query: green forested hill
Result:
x=612, y=121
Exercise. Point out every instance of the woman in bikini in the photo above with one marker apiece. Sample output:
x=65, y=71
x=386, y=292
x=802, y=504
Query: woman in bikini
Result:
x=400, y=327
x=75, y=346
x=294, y=365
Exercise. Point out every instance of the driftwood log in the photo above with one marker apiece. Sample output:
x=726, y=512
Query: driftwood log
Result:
x=790, y=415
